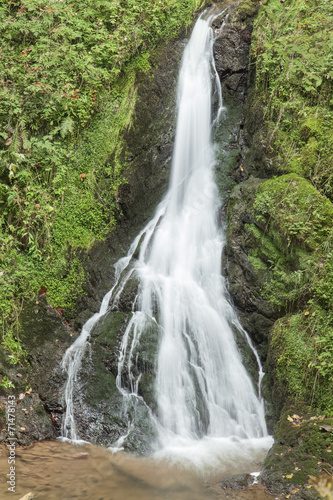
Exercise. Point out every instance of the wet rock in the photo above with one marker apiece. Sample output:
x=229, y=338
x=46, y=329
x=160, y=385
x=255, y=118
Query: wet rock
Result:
x=232, y=58
x=246, y=283
x=127, y=294
x=31, y=422
x=236, y=482
x=257, y=325
x=232, y=47
x=38, y=391
x=102, y=414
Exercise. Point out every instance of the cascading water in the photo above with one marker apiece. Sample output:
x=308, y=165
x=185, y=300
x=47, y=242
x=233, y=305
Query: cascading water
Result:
x=205, y=397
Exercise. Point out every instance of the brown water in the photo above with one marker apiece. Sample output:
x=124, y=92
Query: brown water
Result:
x=55, y=470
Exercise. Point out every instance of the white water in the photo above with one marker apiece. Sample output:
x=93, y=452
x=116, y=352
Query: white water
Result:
x=208, y=408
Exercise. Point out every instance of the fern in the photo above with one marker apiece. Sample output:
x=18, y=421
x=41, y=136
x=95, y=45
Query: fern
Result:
x=66, y=127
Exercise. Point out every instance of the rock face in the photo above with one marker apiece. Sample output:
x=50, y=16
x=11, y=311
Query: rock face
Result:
x=256, y=313
x=38, y=410
x=231, y=51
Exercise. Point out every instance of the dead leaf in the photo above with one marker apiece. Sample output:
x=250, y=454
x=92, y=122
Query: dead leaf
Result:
x=28, y=496
x=42, y=291
x=59, y=310
x=324, y=485
x=327, y=428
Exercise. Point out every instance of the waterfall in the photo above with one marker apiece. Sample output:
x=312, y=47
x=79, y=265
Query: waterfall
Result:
x=205, y=397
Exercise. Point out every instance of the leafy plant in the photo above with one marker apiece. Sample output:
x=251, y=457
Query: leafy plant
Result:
x=6, y=383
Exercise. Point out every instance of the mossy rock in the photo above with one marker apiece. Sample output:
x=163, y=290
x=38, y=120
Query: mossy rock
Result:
x=302, y=449
x=245, y=282
x=290, y=223
x=304, y=215
x=300, y=359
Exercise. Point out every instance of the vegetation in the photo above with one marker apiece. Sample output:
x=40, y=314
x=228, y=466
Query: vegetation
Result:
x=293, y=225
x=292, y=233
x=68, y=72
x=293, y=51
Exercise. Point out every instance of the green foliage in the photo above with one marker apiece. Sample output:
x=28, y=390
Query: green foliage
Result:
x=6, y=383
x=68, y=74
x=292, y=51
x=296, y=209
x=303, y=346
x=293, y=231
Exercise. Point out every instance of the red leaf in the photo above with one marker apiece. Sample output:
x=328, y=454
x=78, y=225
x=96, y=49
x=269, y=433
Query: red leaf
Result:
x=59, y=310
x=42, y=291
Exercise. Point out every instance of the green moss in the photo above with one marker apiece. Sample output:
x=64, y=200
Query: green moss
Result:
x=302, y=449
x=300, y=357
x=296, y=209
x=292, y=230
x=40, y=410
x=247, y=8
x=107, y=332
x=291, y=238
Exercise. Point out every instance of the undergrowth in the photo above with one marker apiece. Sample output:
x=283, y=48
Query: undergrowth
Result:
x=292, y=57
x=292, y=52
x=293, y=234
x=68, y=73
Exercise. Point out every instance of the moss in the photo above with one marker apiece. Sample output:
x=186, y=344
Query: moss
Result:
x=247, y=9
x=300, y=356
x=108, y=331
x=286, y=231
x=302, y=449
x=296, y=209
x=40, y=410
x=291, y=230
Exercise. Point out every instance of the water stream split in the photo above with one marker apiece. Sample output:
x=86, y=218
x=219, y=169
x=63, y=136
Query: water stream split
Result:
x=209, y=412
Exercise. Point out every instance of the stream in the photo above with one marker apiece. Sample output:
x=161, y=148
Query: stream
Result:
x=54, y=470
